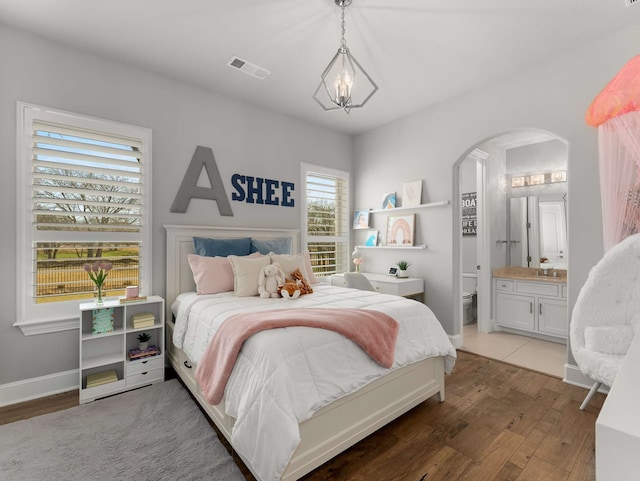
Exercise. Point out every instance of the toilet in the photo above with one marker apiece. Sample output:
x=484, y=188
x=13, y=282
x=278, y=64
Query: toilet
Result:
x=468, y=298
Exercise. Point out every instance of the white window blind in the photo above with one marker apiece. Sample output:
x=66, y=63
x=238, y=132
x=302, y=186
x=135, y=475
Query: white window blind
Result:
x=85, y=181
x=325, y=217
x=88, y=200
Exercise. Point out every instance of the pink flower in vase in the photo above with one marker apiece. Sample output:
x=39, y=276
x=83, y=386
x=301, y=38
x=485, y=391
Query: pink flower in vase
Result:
x=98, y=272
x=357, y=261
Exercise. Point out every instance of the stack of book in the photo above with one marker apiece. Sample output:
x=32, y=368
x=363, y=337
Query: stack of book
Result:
x=100, y=378
x=139, y=354
x=143, y=319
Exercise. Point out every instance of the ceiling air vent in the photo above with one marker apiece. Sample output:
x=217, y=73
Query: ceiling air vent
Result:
x=628, y=3
x=250, y=68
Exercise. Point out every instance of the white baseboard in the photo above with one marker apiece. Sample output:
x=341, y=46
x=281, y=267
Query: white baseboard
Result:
x=573, y=375
x=38, y=387
x=456, y=340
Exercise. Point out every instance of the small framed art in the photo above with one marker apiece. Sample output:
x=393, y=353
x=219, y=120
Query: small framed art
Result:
x=372, y=238
x=400, y=230
x=412, y=193
x=361, y=219
x=102, y=321
x=389, y=201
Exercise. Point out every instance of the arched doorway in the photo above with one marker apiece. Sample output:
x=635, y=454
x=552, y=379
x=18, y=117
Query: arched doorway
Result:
x=489, y=242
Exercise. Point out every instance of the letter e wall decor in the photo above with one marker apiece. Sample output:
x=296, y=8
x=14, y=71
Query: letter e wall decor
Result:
x=202, y=157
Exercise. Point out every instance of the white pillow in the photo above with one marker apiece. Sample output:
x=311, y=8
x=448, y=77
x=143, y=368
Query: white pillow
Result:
x=290, y=263
x=245, y=274
x=608, y=339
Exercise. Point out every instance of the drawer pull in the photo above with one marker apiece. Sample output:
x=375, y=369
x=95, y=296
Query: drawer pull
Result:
x=540, y=308
x=144, y=362
x=531, y=308
x=187, y=365
x=144, y=373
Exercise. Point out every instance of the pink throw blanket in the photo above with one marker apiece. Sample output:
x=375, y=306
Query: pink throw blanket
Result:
x=375, y=332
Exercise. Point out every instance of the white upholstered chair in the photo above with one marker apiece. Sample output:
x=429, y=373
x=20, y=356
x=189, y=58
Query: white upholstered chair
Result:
x=607, y=314
x=356, y=280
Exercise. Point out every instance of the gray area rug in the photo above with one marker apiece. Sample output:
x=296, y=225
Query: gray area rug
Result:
x=153, y=433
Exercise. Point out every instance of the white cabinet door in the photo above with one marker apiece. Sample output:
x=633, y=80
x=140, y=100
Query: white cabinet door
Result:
x=515, y=311
x=552, y=317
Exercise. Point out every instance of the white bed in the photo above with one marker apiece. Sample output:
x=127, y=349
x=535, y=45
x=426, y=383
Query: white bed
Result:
x=342, y=422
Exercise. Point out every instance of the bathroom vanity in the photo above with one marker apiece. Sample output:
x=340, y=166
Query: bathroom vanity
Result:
x=532, y=300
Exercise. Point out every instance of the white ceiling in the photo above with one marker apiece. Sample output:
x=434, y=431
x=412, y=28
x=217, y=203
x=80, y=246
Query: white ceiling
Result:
x=419, y=52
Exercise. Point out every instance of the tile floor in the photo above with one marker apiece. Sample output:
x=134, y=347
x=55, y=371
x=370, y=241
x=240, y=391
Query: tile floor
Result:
x=535, y=354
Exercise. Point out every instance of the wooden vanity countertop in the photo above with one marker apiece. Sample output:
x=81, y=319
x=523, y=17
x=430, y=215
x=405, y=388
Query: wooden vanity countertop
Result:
x=529, y=274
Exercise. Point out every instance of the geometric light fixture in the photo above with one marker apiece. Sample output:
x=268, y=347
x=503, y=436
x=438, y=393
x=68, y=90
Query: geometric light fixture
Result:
x=344, y=81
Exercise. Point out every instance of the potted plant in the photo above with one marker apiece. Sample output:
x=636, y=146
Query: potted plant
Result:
x=143, y=341
x=403, y=266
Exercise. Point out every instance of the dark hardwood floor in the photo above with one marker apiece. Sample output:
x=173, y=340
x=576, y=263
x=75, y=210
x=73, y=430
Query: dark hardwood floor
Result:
x=498, y=423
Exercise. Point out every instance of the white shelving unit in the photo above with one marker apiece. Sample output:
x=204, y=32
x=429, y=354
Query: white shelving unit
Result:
x=108, y=351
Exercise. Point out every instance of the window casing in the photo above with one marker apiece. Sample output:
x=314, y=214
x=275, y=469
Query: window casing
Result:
x=325, y=218
x=84, y=194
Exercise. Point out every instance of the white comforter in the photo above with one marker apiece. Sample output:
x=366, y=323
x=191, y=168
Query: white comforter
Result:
x=283, y=376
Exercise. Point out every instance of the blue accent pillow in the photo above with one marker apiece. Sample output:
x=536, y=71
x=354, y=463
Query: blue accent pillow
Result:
x=240, y=246
x=280, y=245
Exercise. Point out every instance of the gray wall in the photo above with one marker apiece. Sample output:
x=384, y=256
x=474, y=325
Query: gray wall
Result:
x=244, y=140
x=552, y=96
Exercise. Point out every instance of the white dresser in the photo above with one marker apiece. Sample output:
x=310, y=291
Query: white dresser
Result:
x=618, y=424
x=386, y=284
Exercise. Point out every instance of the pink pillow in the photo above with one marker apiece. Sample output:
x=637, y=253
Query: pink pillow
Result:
x=212, y=275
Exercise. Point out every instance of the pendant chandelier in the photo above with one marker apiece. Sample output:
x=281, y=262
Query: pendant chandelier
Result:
x=343, y=78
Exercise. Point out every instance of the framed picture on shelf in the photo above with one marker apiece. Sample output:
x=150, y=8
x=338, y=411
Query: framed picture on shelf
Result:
x=400, y=230
x=372, y=238
x=412, y=193
x=361, y=219
x=102, y=321
x=389, y=201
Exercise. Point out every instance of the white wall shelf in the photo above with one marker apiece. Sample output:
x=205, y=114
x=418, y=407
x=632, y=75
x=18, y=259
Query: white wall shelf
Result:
x=421, y=206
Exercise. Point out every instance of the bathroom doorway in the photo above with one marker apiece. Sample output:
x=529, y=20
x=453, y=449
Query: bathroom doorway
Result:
x=482, y=243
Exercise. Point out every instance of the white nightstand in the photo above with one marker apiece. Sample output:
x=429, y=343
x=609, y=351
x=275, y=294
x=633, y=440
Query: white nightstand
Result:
x=386, y=284
x=108, y=352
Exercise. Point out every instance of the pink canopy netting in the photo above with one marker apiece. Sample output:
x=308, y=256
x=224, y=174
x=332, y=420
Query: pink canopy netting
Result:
x=616, y=113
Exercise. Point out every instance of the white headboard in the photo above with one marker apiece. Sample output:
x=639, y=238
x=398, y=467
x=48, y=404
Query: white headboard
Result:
x=180, y=244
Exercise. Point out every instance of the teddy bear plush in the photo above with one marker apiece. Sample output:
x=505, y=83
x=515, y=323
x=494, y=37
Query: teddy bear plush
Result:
x=269, y=278
x=295, y=288
x=303, y=284
x=289, y=290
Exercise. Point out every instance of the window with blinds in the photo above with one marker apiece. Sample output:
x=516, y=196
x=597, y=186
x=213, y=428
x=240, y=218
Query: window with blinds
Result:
x=85, y=181
x=88, y=201
x=326, y=220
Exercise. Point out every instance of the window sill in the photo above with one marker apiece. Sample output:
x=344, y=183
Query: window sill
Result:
x=32, y=328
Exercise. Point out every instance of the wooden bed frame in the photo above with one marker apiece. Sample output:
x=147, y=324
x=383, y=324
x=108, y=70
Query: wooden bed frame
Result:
x=333, y=428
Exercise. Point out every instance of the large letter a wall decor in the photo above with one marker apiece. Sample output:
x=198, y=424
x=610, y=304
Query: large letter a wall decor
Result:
x=202, y=158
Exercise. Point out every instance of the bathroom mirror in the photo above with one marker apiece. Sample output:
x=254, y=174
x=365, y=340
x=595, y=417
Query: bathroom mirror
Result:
x=538, y=231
